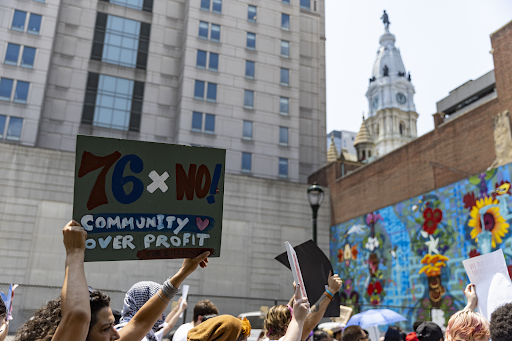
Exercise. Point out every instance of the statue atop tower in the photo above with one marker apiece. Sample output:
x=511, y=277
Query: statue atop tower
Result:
x=385, y=20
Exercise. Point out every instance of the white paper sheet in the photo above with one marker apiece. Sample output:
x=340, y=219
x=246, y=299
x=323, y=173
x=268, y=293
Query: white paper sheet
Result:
x=294, y=265
x=184, y=296
x=490, y=276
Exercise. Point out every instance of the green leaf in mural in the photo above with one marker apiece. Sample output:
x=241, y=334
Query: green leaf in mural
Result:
x=490, y=174
x=475, y=180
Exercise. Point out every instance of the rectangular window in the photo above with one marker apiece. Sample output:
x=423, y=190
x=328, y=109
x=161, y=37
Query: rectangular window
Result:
x=205, y=5
x=305, y=4
x=286, y=2
x=249, y=69
x=247, y=130
x=283, y=167
x=199, y=90
x=285, y=21
x=284, y=105
x=28, y=56
x=203, y=30
x=249, y=99
x=6, y=85
x=145, y=5
x=113, y=102
x=2, y=125
x=12, y=54
x=34, y=23
x=285, y=48
x=201, y=59
x=197, y=121
x=209, y=123
x=213, y=63
x=251, y=41
x=211, y=92
x=21, y=93
x=246, y=162
x=217, y=6
x=283, y=136
x=18, y=21
x=41, y=1
x=215, y=34
x=14, y=129
x=285, y=77
x=251, y=13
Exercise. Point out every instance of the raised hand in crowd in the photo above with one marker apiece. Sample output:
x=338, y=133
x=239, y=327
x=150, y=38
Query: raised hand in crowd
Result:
x=300, y=313
x=470, y=293
x=174, y=315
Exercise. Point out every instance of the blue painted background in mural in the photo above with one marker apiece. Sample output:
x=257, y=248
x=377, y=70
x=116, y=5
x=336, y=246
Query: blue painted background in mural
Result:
x=409, y=255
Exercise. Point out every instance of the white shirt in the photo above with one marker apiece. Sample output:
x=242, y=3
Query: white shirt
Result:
x=181, y=333
x=159, y=334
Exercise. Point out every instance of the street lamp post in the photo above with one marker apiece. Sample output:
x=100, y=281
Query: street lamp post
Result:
x=315, y=196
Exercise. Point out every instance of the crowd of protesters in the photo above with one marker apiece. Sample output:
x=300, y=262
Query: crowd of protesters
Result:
x=81, y=313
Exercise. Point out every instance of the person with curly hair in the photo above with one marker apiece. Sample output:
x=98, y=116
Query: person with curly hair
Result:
x=501, y=323
x=466, y=324
x=80, y=316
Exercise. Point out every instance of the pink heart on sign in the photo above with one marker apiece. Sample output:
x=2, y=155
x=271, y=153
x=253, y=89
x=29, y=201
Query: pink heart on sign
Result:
x=202, y=224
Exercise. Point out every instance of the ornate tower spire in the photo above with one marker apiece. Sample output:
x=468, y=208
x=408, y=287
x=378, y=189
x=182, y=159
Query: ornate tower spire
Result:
x=392, y=114
x=332, y=153
x=364, y=143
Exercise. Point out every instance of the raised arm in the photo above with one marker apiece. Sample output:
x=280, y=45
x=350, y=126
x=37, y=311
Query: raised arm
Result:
x=300, y=312
x=173, y=316
x=319, y=308
x=4, y=329
x=470, y=293
x=150, y=312
x=75, y=307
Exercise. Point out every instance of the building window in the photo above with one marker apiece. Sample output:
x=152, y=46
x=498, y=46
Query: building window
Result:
x=246, y=162
x=285, y=48
x=41, y=1
x=284, y=105
x=283, y=167
x=12, y=55
x=249, y=69
x=247, y=130
x=401, y=128
x=205, y=5
x=13, y=124
x=285, y=2
x=203, y=30
x=19, y=22
x=251, y=13
x=145, y=5
x=20, y=93
x=251, y=41
x=201, y=59
x=217, y=6
x=283, y=136
x=248, y=99
x=285, y=77
x=213, y=64
x=121, y=41
x=285, y=21
x=113, y=102
x=197, y=123
x=199, y=90
x=215, y=33
x=305, y=4
x=211, y=91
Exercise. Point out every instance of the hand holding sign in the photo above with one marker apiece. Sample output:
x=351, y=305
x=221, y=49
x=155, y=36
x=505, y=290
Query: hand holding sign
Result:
x=183, y=299
x=297, y=275
x=300, y=306
x=74, y=237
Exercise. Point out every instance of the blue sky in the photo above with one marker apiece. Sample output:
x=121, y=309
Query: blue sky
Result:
x=444, y=43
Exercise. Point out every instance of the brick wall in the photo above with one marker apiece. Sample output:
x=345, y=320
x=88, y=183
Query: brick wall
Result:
x=454, y=151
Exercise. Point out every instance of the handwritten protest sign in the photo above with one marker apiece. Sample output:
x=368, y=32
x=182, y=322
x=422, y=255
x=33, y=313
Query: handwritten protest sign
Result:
x=184, y=296
x=490, y=276
x=294, y=264
x=144, y=200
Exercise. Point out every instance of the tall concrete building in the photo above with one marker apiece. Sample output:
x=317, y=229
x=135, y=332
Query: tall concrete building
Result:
x=246, y=76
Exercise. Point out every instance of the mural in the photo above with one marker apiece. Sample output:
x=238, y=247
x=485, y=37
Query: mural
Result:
x=409, y=255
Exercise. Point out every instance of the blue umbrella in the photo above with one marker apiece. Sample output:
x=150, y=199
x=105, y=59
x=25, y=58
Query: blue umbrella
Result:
x=375, y=317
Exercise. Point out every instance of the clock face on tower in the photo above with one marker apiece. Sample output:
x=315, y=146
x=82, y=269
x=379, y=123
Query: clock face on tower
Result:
x=400, y=98
x=375, y=102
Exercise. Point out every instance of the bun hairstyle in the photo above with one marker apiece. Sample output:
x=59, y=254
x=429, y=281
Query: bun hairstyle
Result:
x=467, y=325
x=276, y=321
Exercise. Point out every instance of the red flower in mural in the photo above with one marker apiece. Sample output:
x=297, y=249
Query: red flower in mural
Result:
x=474, y=253
x=432, y=218
x=340, y=255
x=369, y=290
x=469, y=200
x=378, y=287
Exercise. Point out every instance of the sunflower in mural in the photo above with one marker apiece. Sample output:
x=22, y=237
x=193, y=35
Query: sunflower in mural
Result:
x=493, y=221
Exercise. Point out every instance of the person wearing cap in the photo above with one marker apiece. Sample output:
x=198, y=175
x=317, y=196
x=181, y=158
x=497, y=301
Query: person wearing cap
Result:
x=429, y=331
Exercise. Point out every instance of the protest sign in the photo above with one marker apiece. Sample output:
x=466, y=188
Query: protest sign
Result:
x=490, y=276
x=184, y=296
x=145, y=200
x=297, y=274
